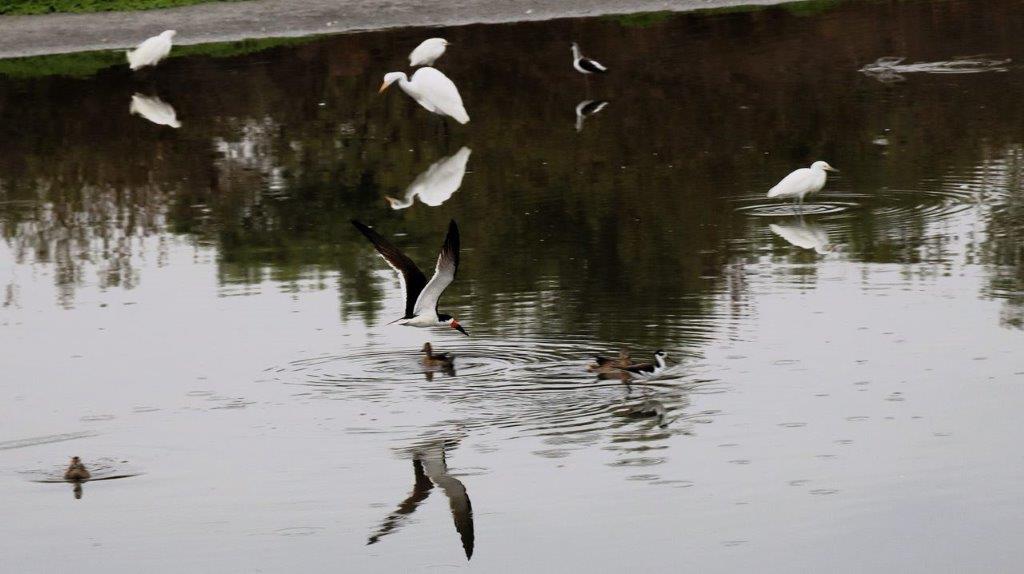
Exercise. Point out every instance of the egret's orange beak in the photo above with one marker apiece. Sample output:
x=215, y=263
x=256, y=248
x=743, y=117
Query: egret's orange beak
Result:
x=383, y=87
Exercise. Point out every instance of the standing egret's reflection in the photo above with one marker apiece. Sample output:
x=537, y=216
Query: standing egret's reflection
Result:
x=438, y=183
x=587, y=108
x=155, y=110
x=804, y=235
x=430, y=469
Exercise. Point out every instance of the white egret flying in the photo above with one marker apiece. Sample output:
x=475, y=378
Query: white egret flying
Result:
x=585, y=65
x=427, y=52
x=802, y=181
x=151, y=50
x=155, y=110
x=432, y=90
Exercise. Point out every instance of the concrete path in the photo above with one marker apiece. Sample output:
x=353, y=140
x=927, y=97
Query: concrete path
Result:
x=217, y=22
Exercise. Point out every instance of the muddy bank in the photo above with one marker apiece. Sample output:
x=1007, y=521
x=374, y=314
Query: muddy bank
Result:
x=61, y=33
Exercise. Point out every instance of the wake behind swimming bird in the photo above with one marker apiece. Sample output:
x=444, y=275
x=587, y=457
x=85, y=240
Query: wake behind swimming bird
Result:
x=891, y=68
x=421, y=296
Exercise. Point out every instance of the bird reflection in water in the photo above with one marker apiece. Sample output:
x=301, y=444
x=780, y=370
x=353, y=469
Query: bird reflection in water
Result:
x=587, y=108
x=437, y=184
x=804, y=235
x=430, y=469
x=155, y=110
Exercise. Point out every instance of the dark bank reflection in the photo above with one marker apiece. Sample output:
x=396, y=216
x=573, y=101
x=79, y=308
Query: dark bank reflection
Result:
x=430, y=469
x=282, y=147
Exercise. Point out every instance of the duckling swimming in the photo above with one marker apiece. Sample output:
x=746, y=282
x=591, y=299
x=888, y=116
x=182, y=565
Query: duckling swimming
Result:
x=432, y=359
x=76, y=470
x=606, y=365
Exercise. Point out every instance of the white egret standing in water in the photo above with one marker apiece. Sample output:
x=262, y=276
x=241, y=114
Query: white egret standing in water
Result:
x=151, y=50
x=802, y=181
x=155, y=110
x=438, y=183
x=432, y=90
x=427, y=52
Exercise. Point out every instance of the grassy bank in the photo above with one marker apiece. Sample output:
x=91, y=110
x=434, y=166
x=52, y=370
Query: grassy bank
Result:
x=51, y=6
x=83, y=64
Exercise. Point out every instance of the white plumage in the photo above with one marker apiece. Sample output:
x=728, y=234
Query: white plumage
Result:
x=438, y=183
x=427, y=52
x=155, y=110
x=802, y=181
x=151, y=50
x=432, y=90
x=804, y=235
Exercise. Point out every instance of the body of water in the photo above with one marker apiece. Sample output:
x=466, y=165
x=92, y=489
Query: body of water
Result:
x=190, y=311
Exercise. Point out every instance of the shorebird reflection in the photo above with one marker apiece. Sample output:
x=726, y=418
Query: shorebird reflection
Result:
x=430, y=469
x=436, y=185
x=587, y=108
x=804, y=235
x=155, y=110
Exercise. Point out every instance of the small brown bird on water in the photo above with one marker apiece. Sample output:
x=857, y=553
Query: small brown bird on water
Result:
x=76, y=470
x=606, y=365
x=432, y=359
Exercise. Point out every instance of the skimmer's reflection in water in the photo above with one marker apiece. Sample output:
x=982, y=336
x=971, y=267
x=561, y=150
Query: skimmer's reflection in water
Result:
x=431, y=469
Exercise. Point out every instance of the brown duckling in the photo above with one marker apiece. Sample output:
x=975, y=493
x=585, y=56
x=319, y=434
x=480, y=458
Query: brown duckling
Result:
x=76, y=470
x=605, y=365
x=432, y=359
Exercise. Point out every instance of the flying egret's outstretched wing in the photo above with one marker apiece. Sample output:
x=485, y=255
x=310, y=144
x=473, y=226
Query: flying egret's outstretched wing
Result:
x=435, y=87
x=444, y=272
x=413, y=280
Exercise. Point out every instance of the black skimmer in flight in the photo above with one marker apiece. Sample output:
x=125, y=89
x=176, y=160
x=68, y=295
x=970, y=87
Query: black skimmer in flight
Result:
x=587, y=108
x=421, y=296
x=649, y=369
x=585, y=65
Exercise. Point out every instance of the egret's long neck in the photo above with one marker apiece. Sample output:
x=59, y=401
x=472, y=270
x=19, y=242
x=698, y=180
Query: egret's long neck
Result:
x=575, y=52
x=408, y=87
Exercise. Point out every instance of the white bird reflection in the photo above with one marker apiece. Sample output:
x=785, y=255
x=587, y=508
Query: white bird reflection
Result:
x=587, y=108
x=804, y=235
x=436, y=185
x=155, y=110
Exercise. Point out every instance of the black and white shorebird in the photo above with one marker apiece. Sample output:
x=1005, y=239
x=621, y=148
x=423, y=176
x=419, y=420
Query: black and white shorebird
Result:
x=585, y=65
x=649, y=369
x=421, y=296
x=587, y=108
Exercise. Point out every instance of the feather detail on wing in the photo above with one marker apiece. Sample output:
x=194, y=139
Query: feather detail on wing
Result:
x=413, y=280
x=444, y=272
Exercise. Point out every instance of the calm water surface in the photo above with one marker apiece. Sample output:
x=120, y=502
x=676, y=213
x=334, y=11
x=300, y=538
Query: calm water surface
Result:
x=190, y=309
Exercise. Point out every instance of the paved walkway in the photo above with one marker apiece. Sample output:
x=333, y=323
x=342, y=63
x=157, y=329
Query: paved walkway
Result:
x=216, y=22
